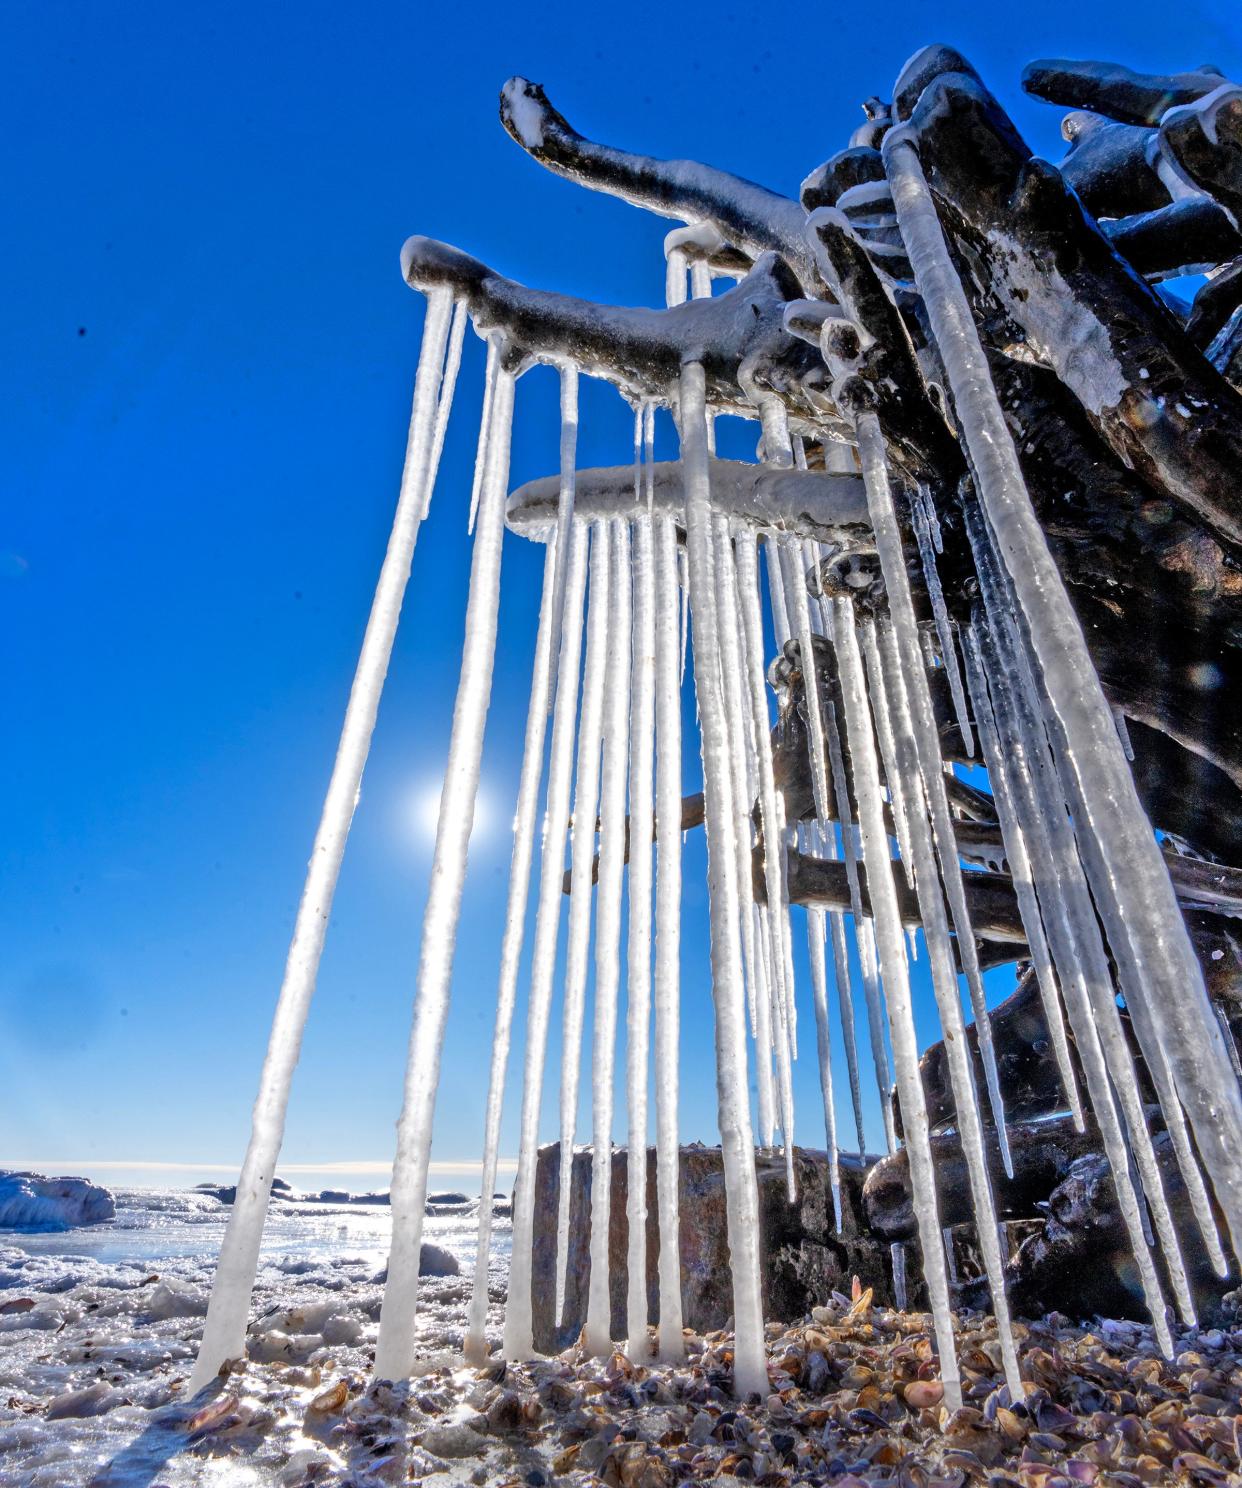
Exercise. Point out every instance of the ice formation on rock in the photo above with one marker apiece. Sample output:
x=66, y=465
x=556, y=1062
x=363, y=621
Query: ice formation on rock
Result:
x=983, y=460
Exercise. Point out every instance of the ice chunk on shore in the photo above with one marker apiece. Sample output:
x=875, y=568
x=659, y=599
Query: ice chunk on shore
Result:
x=29, y=1201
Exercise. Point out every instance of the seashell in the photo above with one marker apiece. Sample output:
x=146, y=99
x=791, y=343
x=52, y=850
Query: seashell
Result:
x=331, y=1399
x=922, y=1394
x=213, y=1414
x=1201, y=1469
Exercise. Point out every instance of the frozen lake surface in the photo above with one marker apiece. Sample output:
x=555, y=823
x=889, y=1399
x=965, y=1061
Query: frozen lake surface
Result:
x=99, y=1326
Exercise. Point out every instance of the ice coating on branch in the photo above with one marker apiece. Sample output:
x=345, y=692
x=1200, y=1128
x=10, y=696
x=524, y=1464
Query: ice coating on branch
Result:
x=394, y=1349
x=1129, y=881
x=224, y=1335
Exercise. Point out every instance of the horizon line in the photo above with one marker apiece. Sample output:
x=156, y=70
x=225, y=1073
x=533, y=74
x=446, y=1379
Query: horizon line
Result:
x=163, y=1165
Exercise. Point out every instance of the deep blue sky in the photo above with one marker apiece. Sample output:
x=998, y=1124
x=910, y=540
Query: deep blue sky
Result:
x=208, y=355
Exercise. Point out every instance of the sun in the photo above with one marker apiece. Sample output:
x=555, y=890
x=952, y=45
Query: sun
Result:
x=426, y=810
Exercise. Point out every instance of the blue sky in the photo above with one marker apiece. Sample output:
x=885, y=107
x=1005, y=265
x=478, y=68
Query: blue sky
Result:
x=203, y=400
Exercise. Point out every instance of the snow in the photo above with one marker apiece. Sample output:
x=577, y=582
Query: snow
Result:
x=524, y=112
x=92, y=1376
x=29, y=1201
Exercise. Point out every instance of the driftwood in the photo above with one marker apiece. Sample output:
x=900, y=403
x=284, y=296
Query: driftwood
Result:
x=1125, y=405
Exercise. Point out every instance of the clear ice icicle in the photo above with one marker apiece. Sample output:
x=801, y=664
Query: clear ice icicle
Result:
x=896, y=795
x=931, y=772
x=948, y=1004
x=224, y=1334
x=1127, y=872
x=823, y=1047
x=519, y=1321
x=998, y=768
x=596, y=1334
x=638, y=947
x=525, y=817
x=582, y=855
x=940, y=614
x=895, y=972
x=495, y=343
x=394, y=1348
x=668, y=931
x=737, y=1145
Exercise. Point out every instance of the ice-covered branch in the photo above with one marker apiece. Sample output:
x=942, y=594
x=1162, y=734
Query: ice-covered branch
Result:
x=638, y=349
x=1119, y=92
x=748, y=216
x=1154, y=398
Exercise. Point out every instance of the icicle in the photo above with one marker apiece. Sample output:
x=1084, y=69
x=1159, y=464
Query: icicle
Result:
x=912, y=940
x=998, y=768
x=950, y=1254
x=596, y=1335
x=668, y=933
x=577, y=948
x=905, y=634
x=565, y=496
x=1123, y=733
x=923, y=497
x=742, y=1200
x=683, y=590
x=893, y=967
x=525, y=817
x=394, y=1348
x=452, y=364
x=495, y=342
x=224, y=1334
x=823, y=1045
x=864, y=934
x=896, y=795
x=948, y=1004
x=700, y=281
x=638, y=948
x=775, y=918
x=1127, y=873
x=897, y=1253
x=1093, y=965
x=519, y=1323
x=740, y=839
x=649, y=453
x=1045, y=829
x=675, y=277
x=776, y=591
x=944, y=626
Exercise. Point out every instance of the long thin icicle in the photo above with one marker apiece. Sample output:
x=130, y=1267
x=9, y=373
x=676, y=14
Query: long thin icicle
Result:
x=597, y=1335
x=525, y=817
x=737, y=1145
x=896, y=795
x=519, y=1320
x=638, y=948
x=1128, y=874
x=1020, y=870
x=495, y=342
x=224, y=1334
x=668, y=932
x=823, y=1046
x=895, y=971
x=577, y=951
x=931, y=766
x=948, y=1004
x=444, y=404
x=940, y=615
x=1043, y=821
x=394, y=1348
